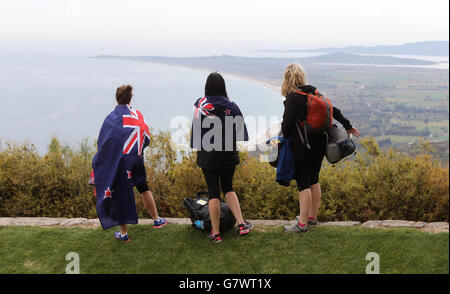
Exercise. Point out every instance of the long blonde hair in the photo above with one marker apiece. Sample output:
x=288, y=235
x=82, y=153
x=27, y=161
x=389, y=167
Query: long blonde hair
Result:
x=294, y=76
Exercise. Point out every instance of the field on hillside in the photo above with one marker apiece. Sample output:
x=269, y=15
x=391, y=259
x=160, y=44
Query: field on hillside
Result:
x=396, y=106
x=183, y=249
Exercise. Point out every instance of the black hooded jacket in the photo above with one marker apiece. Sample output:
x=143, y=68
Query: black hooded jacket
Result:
x=295, y=108
x=223, y=108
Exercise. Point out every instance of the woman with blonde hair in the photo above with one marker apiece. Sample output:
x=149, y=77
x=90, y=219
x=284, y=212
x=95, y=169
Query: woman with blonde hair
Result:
x=308, y=143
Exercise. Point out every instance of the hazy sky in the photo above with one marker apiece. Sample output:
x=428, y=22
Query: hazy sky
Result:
x=272, y=23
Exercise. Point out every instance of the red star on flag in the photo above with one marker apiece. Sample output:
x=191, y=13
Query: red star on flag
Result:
x=128, y=174
x=108, y=193
x=227, y=111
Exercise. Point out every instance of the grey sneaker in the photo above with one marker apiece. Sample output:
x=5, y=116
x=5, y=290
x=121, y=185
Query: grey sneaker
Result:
x=313, y=222
x=295, y=228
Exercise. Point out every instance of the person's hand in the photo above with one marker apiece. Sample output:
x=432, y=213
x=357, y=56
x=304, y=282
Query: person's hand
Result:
x=353, y=131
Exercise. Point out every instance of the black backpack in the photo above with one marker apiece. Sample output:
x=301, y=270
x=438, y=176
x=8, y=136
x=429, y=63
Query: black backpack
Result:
x=199, y=213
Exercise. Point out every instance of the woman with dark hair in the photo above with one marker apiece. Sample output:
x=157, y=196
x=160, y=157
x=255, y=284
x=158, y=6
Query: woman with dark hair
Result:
x=217, y=125
x=307, y=162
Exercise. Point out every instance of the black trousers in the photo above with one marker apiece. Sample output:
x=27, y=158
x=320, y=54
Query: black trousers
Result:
x=307, y=171
x=142, y=186
x=217, y=180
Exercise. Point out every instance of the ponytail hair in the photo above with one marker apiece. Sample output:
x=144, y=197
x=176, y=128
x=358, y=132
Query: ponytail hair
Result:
x=294, y=77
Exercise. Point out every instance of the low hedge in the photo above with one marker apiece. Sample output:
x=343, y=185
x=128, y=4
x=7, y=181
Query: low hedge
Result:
x=375, y=184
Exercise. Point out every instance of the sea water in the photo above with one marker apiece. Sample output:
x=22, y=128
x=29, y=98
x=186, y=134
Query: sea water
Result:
x=69, y=96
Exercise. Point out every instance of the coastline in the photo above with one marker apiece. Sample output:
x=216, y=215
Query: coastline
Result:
x=263, y=135
x=261, y=83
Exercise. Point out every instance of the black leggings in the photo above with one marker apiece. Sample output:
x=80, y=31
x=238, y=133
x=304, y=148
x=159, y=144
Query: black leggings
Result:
x=307, y=171
x=142, y=187
x=140, y=169
x=217, y=180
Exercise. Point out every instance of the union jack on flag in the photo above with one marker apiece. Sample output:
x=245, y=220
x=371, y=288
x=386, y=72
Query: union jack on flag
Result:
x=135, y=120
x=204, y=107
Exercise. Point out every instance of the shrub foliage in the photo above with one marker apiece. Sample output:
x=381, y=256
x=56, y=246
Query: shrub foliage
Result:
x=375, y=184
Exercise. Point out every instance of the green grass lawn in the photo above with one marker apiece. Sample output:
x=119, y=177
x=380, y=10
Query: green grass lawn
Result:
x=182, y=249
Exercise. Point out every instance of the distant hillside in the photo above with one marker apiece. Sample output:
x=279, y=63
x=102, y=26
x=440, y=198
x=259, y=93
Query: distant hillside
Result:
x=326, y=58
x=432, y=48
x=364, y=59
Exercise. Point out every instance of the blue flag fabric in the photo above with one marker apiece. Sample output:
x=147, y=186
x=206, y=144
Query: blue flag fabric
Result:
x=219, y=109
x=122, y=139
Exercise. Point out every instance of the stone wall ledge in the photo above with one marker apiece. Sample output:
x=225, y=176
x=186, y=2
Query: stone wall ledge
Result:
x=434, y=227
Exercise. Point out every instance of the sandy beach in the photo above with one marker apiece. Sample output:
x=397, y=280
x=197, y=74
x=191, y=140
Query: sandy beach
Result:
x=264, y=84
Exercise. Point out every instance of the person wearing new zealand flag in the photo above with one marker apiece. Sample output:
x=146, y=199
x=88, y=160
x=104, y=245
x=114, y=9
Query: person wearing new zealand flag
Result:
x=216, y=127
x=119, y=165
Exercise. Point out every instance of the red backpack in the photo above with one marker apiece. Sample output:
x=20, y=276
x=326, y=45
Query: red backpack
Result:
x=319, y=116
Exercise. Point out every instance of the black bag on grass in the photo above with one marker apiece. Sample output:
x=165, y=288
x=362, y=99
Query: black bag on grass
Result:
x=199, y=213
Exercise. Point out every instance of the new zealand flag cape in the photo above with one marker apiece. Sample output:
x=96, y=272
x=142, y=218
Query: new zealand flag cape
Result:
x=122, y=139
x=217, y=124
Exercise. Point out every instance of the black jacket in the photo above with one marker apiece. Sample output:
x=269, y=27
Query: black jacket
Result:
x=217, y=107
x=295, y=108
x=217, y=160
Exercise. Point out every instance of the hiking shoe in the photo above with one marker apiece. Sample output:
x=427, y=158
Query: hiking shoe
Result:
x=311, y=222
x=217, y=238
x=118, y=236
x=295, y=228
x=245, y=228
x=159, y=223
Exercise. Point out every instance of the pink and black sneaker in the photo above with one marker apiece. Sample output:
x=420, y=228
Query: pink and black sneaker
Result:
x=217, y=238
x=245, y=228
